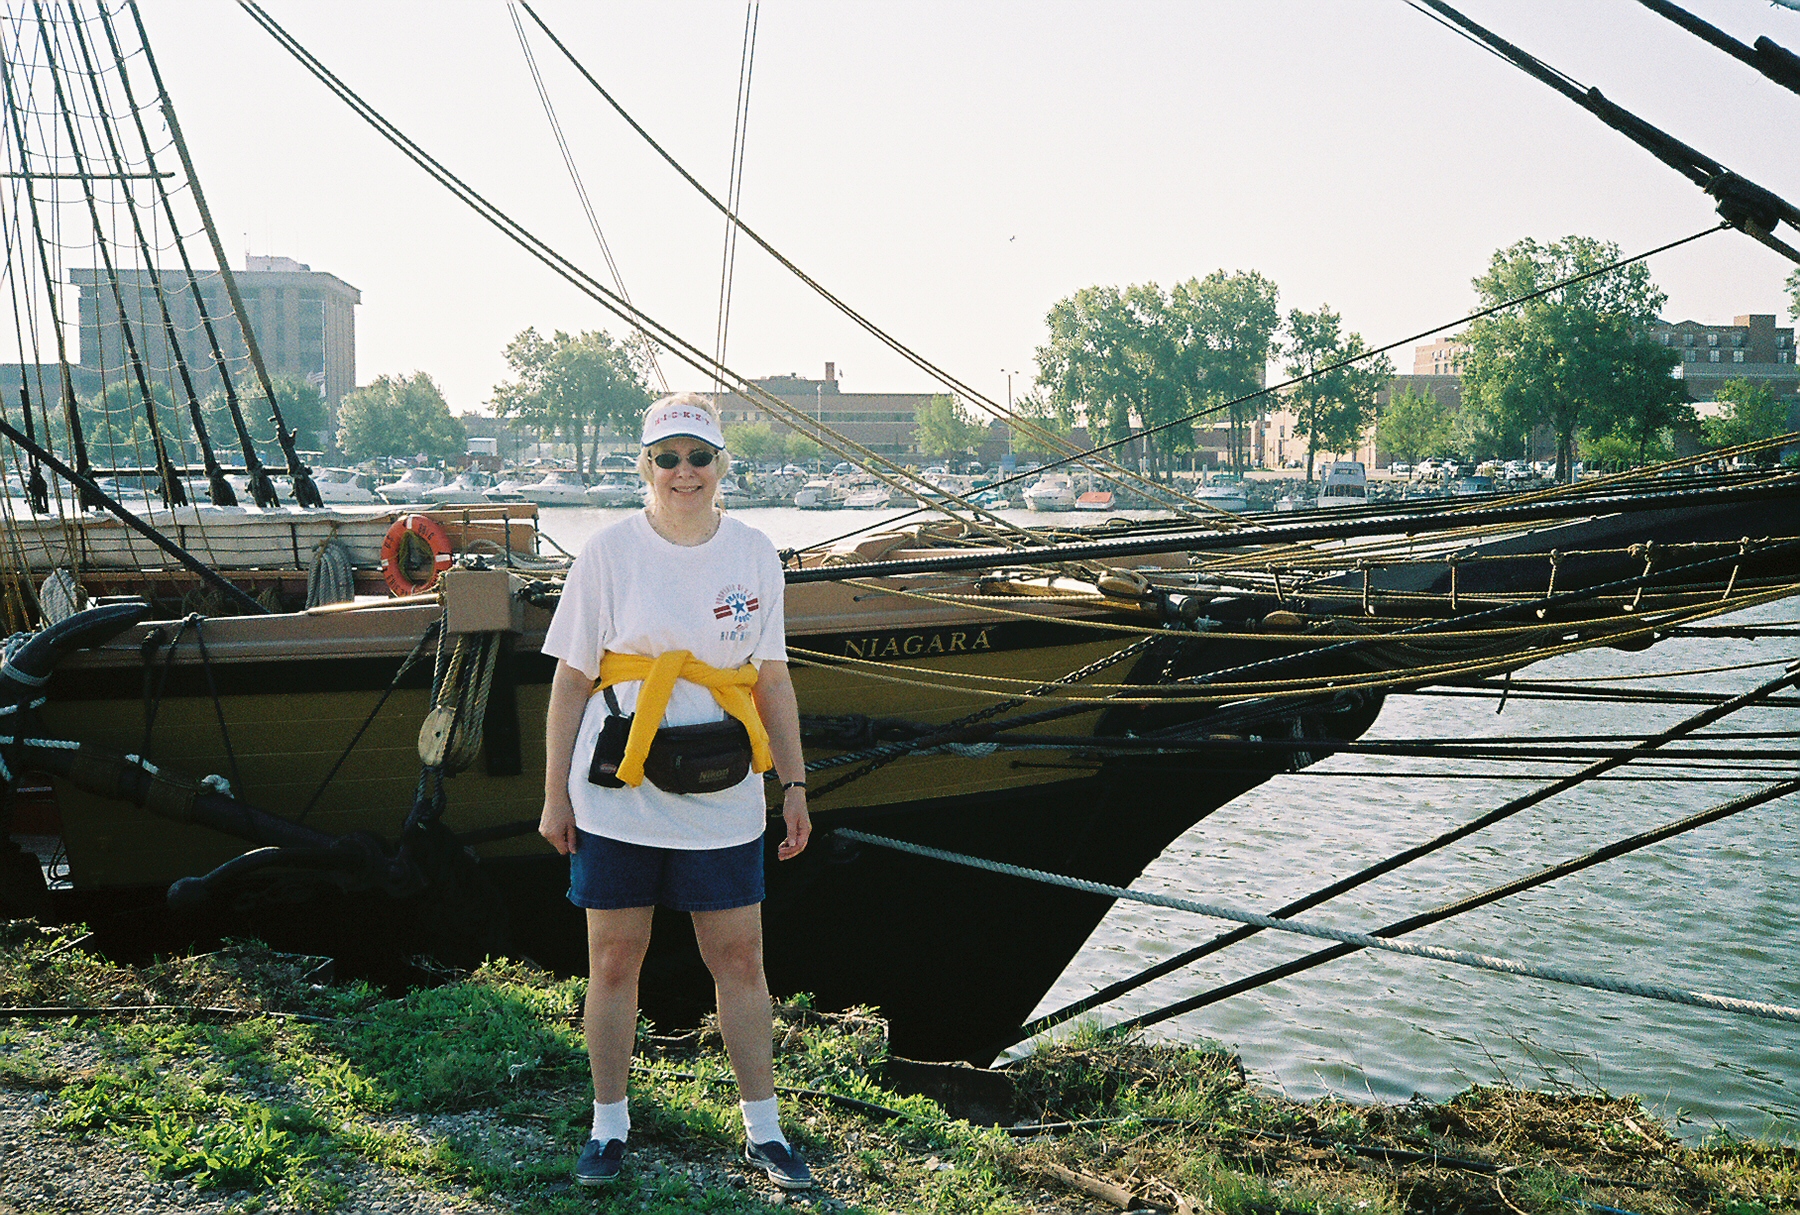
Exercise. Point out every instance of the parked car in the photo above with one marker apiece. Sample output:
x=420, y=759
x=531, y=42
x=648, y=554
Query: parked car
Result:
x=1399, y=469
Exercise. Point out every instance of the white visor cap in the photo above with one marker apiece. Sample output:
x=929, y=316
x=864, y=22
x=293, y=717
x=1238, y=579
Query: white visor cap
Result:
x=671, y=421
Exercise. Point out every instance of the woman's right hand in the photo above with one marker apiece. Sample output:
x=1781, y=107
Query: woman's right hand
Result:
x=557, y=824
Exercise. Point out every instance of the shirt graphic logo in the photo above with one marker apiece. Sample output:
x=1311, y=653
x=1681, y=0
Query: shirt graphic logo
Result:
x=735, y=602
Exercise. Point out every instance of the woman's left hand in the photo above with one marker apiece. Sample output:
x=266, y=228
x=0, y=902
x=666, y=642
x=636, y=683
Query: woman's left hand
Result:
x=799, y=825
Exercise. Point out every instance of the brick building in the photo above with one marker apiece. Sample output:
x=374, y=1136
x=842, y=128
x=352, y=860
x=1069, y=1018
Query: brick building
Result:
x=881, y=421
x=1750, y=348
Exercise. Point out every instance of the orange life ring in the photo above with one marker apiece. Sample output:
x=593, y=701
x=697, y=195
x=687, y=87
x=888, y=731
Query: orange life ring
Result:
x=412, y=540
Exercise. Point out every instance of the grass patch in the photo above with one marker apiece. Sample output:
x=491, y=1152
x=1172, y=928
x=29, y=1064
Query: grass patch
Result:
x=477, y=1088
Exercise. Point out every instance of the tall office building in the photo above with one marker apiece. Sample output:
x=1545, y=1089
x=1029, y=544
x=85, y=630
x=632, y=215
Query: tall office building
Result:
x=303, y=319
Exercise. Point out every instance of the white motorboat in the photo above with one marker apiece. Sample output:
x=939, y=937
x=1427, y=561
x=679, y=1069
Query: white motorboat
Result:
x=1052, y=491
x=616, y=489
x=411, y=487
x=508, y=489
x=337, y=487
x=873, y=497
x=1343, y=483
x=1222, y=496
x=468, y=488
x=820, y=495
x=733, y=496
x=560, y=488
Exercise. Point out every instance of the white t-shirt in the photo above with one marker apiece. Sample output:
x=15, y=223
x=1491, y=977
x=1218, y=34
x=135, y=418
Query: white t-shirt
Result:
x=633, y=592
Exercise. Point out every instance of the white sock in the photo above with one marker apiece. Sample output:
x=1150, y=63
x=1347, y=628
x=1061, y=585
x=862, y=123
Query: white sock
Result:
x=762, y=1122
x=612, y=1121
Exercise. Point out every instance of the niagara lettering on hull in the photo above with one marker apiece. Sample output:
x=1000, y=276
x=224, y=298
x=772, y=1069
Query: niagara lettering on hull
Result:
x=734, y=603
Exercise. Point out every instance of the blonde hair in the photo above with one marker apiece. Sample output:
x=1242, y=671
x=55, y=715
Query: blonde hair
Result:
x=691, y=400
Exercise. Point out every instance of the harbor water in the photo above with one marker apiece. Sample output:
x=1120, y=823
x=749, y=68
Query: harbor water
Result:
x=1711, y=910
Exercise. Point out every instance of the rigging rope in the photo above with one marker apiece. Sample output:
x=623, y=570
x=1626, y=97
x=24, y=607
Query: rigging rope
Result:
x=581, y=194
x=734, y=184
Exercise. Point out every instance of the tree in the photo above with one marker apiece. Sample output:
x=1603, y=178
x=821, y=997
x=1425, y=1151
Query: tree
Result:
x=1136, y=356
x=1565, y=358
x=1752, y=413
x=1226, y=323
x=574, y=385
x=302, y=407
x=1643, y=402
x=1087, y=367
x=398, y=416
x=1793, y=286
x=1333, y=404
x=1414, y=425
x=755, y=442
x=942, y=429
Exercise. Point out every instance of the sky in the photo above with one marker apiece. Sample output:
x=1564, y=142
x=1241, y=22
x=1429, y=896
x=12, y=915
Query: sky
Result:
x=953, y=169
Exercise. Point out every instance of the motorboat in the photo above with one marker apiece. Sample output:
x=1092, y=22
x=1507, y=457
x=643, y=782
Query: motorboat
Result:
x=616, y=489
x=339, y=487
x=821, y=494
x=563, y=487
x=412, y=487
x=1052, y=491
x=1095, y=499
x=872, y=497
x=1343, y=483
x=732, y=496
x=508, y=489
x=1222, y=495
x=466, y=488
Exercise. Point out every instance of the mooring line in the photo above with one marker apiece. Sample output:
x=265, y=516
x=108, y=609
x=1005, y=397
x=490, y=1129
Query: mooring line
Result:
x=1649, y=991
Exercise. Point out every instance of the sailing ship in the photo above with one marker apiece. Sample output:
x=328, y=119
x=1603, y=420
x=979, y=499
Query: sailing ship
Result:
x=368, y=773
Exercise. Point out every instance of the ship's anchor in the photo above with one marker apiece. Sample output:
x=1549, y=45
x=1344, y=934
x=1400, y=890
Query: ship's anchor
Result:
x=428, y=863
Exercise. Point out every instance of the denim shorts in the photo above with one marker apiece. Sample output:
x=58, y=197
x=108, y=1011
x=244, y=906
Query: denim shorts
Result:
x=608, y=874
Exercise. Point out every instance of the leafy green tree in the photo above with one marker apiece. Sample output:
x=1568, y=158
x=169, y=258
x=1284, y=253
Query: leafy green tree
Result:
x=1568, y=358
x=117, y=434
x=753, y=441
x=1090, y=369
x=1225, y=326
x=1118, y=357
x=302, y=407
x=1609, y=453
x=575, y=385
x=799, y=449
x=1334, y=404
x=1793, y=286
x=1752, y=413
x=942, y=429
x=1643, y=402
x=1414, y=425
x=399, y=416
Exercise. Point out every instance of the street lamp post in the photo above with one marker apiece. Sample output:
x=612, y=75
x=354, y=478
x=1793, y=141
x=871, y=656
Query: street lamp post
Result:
x=1009, y=408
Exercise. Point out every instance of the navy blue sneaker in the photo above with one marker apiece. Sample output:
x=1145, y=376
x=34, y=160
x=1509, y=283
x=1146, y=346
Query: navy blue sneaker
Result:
x=781, y=1163
x=600, y=1165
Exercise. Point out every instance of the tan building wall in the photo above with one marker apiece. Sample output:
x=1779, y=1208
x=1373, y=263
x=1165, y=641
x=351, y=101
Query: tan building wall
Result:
x=304, y=321
x=881, y=421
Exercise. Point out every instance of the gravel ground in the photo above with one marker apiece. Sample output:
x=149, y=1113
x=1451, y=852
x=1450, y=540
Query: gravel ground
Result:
x=45, y=1169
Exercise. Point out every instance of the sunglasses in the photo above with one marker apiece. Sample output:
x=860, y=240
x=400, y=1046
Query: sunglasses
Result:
x=700, y=457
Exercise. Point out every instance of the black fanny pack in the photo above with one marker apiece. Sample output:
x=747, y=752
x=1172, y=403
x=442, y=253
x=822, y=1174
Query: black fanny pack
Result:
x=682, y=759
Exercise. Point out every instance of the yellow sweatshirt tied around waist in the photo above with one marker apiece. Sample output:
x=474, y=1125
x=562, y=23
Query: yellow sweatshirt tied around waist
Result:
x=729, y=686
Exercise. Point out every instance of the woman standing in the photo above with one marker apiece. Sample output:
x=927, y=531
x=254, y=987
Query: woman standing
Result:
x=673, y=618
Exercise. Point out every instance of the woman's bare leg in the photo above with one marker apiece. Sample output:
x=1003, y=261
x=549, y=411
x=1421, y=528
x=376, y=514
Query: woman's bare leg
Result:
x=731, y=944
x=616, y=944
